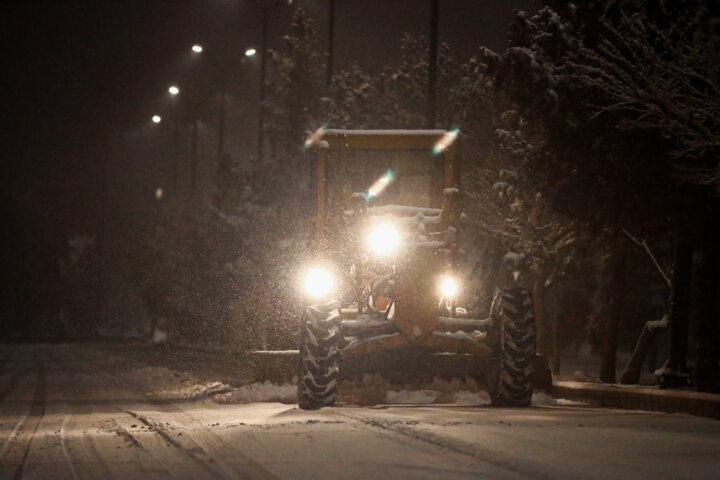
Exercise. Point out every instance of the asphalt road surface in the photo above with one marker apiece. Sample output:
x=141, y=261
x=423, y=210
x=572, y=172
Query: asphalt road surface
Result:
x=90, y=411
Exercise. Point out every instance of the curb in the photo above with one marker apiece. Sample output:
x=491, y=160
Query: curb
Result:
x=632, y=397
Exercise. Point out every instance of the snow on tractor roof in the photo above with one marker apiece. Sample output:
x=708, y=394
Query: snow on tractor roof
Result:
x=380, y=139
x=335, y=131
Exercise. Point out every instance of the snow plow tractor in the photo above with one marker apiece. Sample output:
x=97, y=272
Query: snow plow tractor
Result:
x=387, y=276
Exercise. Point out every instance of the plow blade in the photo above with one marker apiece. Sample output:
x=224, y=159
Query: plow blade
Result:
x=402, y=366
x=274, y=365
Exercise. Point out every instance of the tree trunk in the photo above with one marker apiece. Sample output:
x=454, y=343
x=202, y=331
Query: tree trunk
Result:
x=539, y=303
x=674, y=372
x=708, y=277
x=612, y=319
x=542, y=377
x=556, y=330
x=632, y=372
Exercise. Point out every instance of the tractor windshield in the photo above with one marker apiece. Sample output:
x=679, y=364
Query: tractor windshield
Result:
x=413, y=178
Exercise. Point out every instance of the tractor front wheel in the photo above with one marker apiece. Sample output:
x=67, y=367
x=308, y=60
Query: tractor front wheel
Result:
x=319, y=358
x=510, y=381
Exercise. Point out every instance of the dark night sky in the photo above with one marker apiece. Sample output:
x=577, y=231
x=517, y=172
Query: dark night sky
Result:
x=79, y=75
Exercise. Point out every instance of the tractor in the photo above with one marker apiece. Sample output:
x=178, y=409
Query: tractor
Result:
x=388, y=224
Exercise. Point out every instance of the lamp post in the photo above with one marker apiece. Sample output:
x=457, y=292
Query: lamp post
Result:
x=157, y=120
x=174, y=91
x=221, y=112
x=223, y=72
x=263, y=63
x=432, y=65
x=264, y=5
x=193, y=146
x=331, y=41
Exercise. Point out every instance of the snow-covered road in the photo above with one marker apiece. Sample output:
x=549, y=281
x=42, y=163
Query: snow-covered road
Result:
x=92, y=411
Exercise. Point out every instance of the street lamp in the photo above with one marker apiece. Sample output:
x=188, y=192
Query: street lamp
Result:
x=197, y=48
x=156, y=118
x=174, y=90
x=223, y=91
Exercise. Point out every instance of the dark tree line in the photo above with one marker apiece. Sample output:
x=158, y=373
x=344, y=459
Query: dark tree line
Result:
x=624, y=95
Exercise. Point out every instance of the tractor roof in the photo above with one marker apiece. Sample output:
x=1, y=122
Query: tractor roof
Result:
x=382, y=139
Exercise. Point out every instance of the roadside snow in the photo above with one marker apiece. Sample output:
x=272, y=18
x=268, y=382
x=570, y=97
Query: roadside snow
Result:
x=407, y=396
x=435, y=396
x=157, y=381
x=373, y=390
x=163, y=382
x=467, y=398
x=543, y=399
x=261, y=392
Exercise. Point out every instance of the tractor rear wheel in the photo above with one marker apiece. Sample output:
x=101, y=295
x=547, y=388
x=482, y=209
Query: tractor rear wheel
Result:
x=319, y=358
x=510, y=381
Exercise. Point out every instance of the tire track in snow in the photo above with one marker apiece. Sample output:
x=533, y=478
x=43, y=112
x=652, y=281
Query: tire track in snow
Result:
x=64, y=447
x=8, y=389
x=147, y=458
x=92, y=456
x=406, y=430
x=221, y=448
x=35, y=415
x=197, y=453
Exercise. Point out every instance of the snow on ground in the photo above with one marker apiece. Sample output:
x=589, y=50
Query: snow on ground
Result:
x=65, y=417
x=163, y=382
x=356, y=393
x=287, y=393
x=261, y=392
x=544, y=399
x=435, y=396
x=157, y=381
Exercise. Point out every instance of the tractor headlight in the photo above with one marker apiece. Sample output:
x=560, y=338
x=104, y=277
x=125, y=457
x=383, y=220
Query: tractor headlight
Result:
x=384, y=239
x=318, y=283
x=449, y=288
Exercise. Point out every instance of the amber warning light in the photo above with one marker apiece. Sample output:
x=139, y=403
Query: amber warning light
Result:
x=379, y=185
x=447, y=140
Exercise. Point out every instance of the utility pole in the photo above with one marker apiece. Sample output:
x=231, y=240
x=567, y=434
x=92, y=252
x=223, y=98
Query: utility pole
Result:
x=174, y=91
x=432, y=65
x=100, y=298
x=263, y=65
x=331, y=41
x=221, y=114
x=193, y=160
x=176, y=157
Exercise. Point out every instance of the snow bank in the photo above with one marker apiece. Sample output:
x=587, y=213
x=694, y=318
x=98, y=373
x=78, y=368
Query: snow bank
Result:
x=370, y=390
x=465, y=397
x=435, y=396
x=542, y=399
x=261, y=392
x=409, y=396
x=162, y=382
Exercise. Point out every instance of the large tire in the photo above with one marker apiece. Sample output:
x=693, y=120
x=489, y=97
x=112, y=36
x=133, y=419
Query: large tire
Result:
x=319, y=359
x=510, y=379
